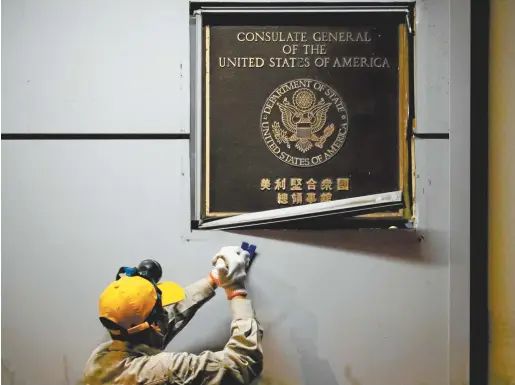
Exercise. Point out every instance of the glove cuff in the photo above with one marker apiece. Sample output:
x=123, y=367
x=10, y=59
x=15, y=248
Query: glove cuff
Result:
x=234, y=292
x=214, y=279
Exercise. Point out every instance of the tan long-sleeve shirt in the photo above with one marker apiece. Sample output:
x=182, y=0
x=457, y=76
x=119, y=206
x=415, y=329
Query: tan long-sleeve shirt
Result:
x=240, y=361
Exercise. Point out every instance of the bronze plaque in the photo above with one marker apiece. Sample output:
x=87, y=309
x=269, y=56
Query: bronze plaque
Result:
x=302, y=108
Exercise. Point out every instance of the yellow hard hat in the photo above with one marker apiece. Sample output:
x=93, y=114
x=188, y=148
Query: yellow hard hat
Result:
x=130, y=300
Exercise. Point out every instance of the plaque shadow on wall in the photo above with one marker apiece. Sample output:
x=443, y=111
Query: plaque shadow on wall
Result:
x=301, y=117
x=405, y=246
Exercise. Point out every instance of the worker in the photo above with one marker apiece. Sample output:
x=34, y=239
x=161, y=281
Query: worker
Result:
x=142, y=318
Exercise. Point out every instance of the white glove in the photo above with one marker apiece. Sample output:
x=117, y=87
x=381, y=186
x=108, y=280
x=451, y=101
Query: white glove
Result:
x=231, y=263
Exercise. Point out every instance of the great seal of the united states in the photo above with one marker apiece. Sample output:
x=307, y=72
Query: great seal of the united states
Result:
x=304, y=122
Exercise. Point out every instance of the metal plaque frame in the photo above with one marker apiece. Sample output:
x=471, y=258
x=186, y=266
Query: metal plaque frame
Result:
x=372, y=206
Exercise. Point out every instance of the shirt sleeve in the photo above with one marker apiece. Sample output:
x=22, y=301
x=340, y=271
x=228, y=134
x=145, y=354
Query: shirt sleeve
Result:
x=180, y=313
x=239, y=363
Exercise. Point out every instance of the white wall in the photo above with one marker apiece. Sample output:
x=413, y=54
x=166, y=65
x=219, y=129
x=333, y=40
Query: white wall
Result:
x=95, y=66
x=338, y=307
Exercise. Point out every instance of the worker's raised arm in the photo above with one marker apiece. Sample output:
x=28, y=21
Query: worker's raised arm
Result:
x=240, y=361
x=180, y=313
x=232, y=263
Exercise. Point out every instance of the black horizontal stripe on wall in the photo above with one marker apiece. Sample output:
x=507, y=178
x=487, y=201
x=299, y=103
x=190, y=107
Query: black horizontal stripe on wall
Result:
x=100, y=136
x=431, y=136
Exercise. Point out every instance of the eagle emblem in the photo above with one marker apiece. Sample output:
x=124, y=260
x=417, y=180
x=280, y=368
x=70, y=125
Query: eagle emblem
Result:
x=302, y=119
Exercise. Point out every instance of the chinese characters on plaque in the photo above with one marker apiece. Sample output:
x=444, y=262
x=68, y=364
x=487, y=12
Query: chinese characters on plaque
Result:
x=296, y=191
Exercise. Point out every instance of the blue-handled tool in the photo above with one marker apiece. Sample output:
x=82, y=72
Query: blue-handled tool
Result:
x=251, y=249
